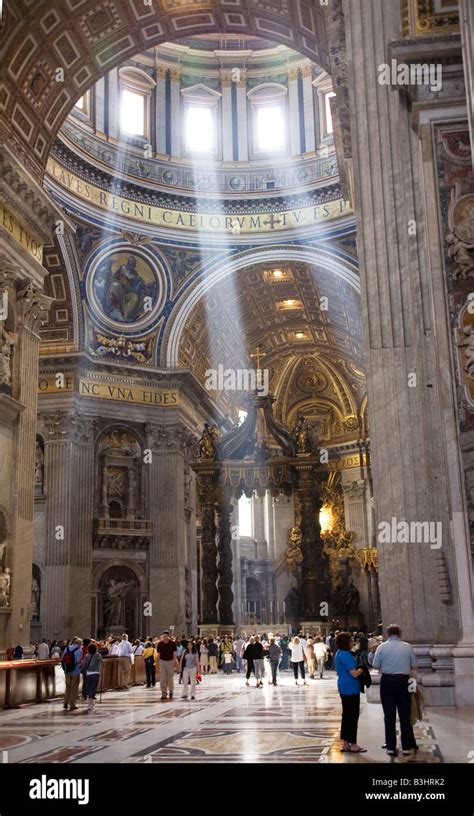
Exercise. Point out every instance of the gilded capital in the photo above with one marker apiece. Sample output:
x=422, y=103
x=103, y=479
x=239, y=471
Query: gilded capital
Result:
x=66, y=426
x=32, y=306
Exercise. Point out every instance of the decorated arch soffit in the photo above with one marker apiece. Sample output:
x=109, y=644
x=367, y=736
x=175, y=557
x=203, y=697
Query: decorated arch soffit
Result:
x=314, y=357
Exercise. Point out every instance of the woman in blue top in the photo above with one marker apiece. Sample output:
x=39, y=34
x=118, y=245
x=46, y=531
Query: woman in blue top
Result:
x=349, y=691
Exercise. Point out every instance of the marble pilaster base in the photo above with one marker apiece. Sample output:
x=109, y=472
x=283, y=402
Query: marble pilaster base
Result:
x=463, y=658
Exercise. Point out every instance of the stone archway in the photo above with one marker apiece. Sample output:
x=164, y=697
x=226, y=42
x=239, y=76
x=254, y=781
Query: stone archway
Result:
x=85, y=42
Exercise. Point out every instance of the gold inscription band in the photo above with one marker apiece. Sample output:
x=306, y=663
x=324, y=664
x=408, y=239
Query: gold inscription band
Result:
x=194, y=222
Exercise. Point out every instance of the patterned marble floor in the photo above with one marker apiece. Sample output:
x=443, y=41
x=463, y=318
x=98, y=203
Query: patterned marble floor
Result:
x=228, y=722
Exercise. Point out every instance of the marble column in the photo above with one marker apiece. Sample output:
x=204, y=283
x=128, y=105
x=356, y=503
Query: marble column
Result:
x=17, y=435
x=114, y=104
x=176, y=103
x=356, y=509
x=69, y=488
x=99, y=107
x=415, y=467
x=258, y=513
x=242, y=118
x=224, y=565
x=227, y=130
x=244, y=574
x=293, y=112
x=270, y=526
x=160, y=109
x=167, y=556
x=308, y=97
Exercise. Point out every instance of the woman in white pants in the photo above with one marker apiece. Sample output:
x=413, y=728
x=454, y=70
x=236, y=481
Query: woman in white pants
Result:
x=190, y=668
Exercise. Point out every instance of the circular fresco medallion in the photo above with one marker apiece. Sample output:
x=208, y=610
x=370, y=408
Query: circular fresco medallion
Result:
x=463, y=218
x=126, y=288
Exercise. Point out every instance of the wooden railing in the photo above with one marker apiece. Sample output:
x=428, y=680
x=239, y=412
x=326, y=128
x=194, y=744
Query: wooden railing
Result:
x=35, y=681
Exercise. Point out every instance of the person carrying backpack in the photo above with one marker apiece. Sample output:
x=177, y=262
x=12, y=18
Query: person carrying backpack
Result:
x=71, y=665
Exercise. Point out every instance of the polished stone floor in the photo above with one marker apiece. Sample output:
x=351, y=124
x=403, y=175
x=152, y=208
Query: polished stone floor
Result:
x=228, y=722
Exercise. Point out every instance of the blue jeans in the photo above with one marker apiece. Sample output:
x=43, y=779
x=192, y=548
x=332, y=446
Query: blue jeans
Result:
x=92, y=681
x=238, y=662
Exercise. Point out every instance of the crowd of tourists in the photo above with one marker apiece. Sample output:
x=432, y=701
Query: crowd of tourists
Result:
x=264, y=657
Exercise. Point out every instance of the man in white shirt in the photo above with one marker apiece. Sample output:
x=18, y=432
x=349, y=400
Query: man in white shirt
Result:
x=43, y=650
x=125, y=653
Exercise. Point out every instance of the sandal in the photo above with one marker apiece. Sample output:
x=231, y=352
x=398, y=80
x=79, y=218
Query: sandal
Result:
x=357, y=750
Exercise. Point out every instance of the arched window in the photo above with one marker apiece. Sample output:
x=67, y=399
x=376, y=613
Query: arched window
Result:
x=269, y=131
x=201, y=106
x=135, y=94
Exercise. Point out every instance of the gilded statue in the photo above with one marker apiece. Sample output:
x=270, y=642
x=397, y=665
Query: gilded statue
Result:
x=208, y=442
x=338, y=542
x=301, y=435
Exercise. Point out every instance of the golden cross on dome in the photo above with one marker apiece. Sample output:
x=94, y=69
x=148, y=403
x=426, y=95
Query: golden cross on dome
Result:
x=258, y=354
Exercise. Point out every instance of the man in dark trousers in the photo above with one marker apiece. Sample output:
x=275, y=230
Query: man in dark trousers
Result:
x=396, y=659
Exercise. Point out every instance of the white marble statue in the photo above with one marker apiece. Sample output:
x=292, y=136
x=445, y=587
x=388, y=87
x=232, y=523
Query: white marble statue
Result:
x=7, y=341
x=39, y=464
x=5, y=581
x=468, y=342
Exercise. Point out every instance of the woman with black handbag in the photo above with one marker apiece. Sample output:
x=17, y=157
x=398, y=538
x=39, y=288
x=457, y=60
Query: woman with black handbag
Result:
x=348, y=686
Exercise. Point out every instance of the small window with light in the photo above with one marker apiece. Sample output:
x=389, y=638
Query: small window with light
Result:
x=327, y=98
x=135, y=95
x=201, y=107
x=81, y=107
x=323, y=87
x=132, y=113
x=268, y=104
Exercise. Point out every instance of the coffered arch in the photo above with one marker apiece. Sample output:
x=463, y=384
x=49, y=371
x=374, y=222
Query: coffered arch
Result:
x=274, y=301
x=336, y=270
